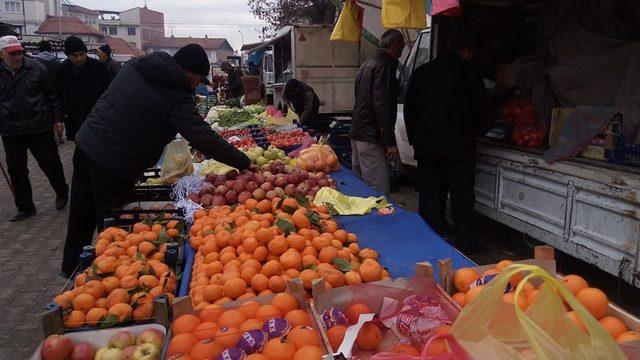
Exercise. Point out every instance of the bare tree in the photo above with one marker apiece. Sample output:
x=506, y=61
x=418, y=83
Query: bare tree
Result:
x=280, y=13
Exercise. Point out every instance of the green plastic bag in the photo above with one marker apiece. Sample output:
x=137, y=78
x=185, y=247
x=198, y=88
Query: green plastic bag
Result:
x=342, y=204
x=349, y=24
x=404, y=14
x=489, y=328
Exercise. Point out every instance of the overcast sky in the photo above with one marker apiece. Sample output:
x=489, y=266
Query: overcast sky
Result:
x=197, y=18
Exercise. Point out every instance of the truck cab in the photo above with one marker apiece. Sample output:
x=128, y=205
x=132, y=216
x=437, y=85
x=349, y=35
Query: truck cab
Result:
x=420, y=53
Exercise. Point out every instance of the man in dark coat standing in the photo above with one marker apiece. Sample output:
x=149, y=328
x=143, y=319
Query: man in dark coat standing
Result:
x=373, y=141
x=147, y=104
x=47, y=58
x=444, y=108
x=81, y=81
x=104, y=54
x=30, y=109
x=235, y=90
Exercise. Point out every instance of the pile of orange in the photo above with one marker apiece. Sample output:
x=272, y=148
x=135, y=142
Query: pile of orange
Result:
x=214, y=329
x=120, y=285
x=254, y=248
x=593, y=299
x=144, y=241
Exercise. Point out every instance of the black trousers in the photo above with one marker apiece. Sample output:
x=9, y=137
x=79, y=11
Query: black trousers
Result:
x=457, y=177
x=95, y=192
x=44, y=149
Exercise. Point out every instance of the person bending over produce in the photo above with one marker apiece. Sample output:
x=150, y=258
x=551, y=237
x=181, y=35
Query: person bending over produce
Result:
x=304, y=100
x=143, y=109
x=234, y=90
x=444, y=108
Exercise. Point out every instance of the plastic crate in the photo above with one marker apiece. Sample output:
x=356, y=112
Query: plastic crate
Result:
x=152, y=192
x=339, y=133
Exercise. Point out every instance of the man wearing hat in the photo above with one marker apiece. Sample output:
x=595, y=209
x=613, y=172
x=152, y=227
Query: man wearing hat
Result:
x=81, y=81
x=104, y=54
x=147, y=104
x=30, y=109
x=47, y=58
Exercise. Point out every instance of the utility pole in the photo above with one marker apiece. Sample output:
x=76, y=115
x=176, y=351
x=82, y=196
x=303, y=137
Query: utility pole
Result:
x=24, y=19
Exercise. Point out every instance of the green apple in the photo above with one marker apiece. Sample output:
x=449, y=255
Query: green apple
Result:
x=261, y=160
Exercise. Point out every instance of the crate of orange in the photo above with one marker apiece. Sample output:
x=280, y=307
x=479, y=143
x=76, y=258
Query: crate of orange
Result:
x=124, y=273
x=276, y=326
x=406, y=314
x=254, y=248
x=465, y=284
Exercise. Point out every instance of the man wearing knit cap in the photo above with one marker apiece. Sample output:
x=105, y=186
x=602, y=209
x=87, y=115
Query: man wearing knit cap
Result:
x=104, y=54
x=81, y=81
x=147, y=104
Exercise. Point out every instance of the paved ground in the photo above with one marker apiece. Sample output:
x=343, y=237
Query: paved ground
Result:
x=30, y=254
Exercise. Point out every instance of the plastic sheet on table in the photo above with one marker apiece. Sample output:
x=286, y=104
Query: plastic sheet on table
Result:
x=342, y=204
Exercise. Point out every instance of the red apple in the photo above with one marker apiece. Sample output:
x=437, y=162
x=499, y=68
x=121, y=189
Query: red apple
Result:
x=151, y=336
x=122, y=339
x=259, y=194
x=83, y=351
x=56, y=347
x=127, y=353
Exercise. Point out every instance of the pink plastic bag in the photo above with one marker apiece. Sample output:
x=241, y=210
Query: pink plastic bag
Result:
x=457, y=351
x=446, y=7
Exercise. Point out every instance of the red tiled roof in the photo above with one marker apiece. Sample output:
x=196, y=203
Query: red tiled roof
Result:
x=178, y=42
x=80, y=9
x=68, y=24
x=122, y=47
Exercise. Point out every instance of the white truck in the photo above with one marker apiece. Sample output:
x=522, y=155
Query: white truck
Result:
x=586, y=208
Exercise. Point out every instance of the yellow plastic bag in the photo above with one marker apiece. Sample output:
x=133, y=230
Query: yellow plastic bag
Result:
x=349, y=24
x=348, y=205
x=177, y=162
x=211, y=166
x=404, y=14
x=489, y=328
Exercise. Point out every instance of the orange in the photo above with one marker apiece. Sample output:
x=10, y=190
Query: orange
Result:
x=95, y=288
x=110, y=283
x=140, y=227
x=299, y=317
x=95, y=315
x=594, y=300
x=259, y=282
x=327, y=255
x=211, y=313
x=227, y=336
x=212, y=293
x=574, y=283
x=75, y=319
x=291, y=259
x=272, y=268
x=369, y=337
x=122, y=311
x=205, y=349
x=437, y=347
x=613, y=326
x=300, y=221
x=406, y=349
x=352, y=278
x=628, y=336
x=143, y=311
x=252, y=324
x=463, y=278
x=308, y=352
x=307, y=277
x=532, y=295
x=309, y=261
x=83, y=302
x=510, y=299
x=460, y=298
x=63, y=300
x=503, y=264
x=102, y=303
x=118, y=296
x=354, y=310
x=370, y=270
x=234, y=288
x=304, y=335
x=129, y=282
x=263, y=236
x=320, y=242
x=185, y=323
x=277, y=284
x=284, y=302
x=205, y=330
x=472, y=293
x=368, y=253
x=336, y=336
x=266, y=312
x=247, y=274
x=295, y=241
x=279, y=349
x=213, y=268
x=573, y=316
x=278, y=245
x=231, y=318
x=256, y=357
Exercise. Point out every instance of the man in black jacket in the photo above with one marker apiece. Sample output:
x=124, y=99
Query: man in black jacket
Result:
x=30, y=109
x=147, y=104
x=372, y=133
x=444, y=108
x=81, y=81
x=104, y=54
x=235, y=90
x=47, y=58
x=304, y=101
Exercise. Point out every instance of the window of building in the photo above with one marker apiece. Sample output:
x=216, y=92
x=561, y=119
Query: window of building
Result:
x=131, y=31
x=113, y=30
x=13, y=6
x=104, y=29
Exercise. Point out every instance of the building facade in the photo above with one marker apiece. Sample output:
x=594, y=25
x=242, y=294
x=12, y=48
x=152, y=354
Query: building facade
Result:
x=87, y=16
x=217, y=49
x=26, y=15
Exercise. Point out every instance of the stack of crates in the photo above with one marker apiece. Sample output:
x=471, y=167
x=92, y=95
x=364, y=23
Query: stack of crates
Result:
x=339, y=139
